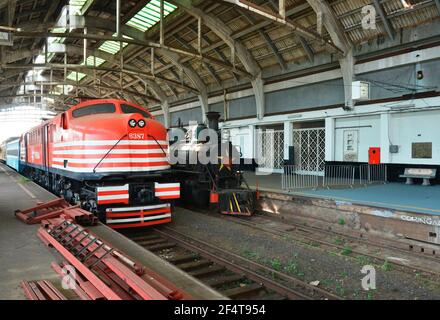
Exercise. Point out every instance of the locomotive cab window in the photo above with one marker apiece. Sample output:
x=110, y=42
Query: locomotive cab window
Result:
x=130, y=109
x=94, y=109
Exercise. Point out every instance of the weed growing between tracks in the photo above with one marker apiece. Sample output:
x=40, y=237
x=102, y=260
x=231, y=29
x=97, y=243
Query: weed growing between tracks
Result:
x=290, y=267
x=338, y=268
x=346, y=250
x=387, y=266
x=339, y=284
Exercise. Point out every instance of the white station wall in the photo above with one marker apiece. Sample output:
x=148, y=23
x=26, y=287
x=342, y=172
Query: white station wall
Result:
x=407, y=128
x=367, y=136
x=241, y=137
x=401, y=129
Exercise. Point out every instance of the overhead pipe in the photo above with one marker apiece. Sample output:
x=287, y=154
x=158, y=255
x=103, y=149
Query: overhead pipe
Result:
x=119, y=35
x=85, y=47
x=118, y=18
x=162, y=26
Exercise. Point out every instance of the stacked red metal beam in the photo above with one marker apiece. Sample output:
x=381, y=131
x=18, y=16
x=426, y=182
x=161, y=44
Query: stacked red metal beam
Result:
x=42, y=211
x=101, y=272
x=41, y=290
x=53, y=209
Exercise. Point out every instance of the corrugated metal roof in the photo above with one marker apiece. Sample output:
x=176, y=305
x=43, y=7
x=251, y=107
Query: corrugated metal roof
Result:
x=349, y=13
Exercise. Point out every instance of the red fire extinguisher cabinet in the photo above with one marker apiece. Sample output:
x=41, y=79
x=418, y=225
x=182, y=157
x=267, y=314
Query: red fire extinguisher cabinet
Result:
x=374, y=156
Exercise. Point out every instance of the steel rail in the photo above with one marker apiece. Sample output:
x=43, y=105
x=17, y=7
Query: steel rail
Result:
x=389, y=242
x=273, y=231
x=236, y=263
x=360, y=241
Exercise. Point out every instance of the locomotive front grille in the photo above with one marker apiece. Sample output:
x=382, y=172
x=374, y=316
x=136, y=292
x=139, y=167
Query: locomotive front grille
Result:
x=142, y=216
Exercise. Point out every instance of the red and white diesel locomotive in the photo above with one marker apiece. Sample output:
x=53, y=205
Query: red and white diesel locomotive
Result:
x=111, y=156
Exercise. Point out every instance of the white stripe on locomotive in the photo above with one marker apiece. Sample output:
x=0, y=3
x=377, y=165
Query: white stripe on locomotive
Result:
x=110, y=143
x=104, y=151
x=113, y=188
x=167, y=193
x=154, y=207
x=111, y=160
x=113, y=169
x=113, y=197
x=166, y=185
x=148, y=218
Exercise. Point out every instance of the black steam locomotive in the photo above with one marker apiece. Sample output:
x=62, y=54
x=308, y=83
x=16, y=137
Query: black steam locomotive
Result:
x=208, y=168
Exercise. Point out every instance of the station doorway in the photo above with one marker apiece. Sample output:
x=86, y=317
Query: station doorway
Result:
x=270, y=148
x=309, y=147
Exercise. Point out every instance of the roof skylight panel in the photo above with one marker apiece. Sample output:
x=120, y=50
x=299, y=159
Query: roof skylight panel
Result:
x=91, y=61
x=146, y=18
x=76, y=76
x=79, y=6
x=149, y=15
x=113, y=47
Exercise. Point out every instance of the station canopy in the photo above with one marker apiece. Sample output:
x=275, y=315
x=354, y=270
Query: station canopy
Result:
x=59, y=52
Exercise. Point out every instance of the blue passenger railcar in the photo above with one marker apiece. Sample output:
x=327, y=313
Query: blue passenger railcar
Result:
x=13, y=153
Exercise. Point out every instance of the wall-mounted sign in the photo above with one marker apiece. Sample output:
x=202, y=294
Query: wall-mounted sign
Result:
x=351, y=145
x=422, y=150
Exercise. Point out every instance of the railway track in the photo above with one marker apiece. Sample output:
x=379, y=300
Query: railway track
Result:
x=402, y=247
x=360, y=246
x=232, y=275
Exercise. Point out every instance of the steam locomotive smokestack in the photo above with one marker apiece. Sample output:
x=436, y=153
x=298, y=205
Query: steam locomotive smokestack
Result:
x=213, y=119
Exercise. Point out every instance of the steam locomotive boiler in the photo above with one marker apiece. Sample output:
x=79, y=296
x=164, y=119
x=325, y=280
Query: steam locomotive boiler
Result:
x=208, y=169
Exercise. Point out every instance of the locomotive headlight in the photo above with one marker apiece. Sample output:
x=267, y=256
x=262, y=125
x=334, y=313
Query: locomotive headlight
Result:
x=141, y=123
x=132, y=123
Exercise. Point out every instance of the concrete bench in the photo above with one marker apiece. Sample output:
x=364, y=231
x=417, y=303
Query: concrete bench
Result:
x=425, y=174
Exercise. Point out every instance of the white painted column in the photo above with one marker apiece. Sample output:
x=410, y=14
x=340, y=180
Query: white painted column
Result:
x=385, y=138
x=288, y=138
x=252, y=141
x=330, y=129
x=166, y=113
x=258, y=86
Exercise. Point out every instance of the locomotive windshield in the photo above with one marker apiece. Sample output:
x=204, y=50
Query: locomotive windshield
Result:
x=94, y=109
x=130, y=109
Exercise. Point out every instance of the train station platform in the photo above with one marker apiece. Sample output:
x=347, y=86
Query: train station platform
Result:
x=393, y=210
x=23, y=256
x=398, y=196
